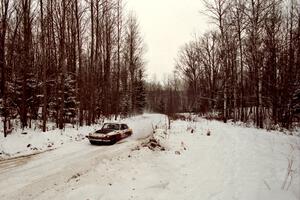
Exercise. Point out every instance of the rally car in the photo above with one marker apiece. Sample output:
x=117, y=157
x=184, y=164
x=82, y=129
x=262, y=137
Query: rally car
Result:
x=110, y=134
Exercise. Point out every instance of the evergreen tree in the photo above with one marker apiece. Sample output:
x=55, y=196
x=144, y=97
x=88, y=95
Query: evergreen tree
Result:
x=125, y=105
x=162, y=106
x=296, y=103
x=140, y=94
x=70, y=106
x=29, y=92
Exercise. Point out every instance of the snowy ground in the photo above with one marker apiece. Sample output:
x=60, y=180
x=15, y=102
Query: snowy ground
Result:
x=35, y=141
x=233, y=163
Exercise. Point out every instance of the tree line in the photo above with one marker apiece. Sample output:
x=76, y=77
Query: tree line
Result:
x=247, y=67
x=69, y=61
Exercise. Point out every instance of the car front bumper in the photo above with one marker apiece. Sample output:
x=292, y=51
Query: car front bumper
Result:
x=100, y=140
x=95, y=140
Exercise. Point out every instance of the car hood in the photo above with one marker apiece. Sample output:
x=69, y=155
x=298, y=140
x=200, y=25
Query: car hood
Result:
x=104, y=133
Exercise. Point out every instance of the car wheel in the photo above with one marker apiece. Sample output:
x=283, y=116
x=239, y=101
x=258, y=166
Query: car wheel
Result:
x=116, y=139
x=112, y=142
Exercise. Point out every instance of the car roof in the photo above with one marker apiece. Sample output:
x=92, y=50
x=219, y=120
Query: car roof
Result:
x=115, y=123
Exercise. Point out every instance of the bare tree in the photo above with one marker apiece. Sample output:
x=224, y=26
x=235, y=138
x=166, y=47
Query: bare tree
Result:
x=52, y=65
x=247, y=68
x=62, y=59
x=188, y=65
x=219, y=10
x=4, y=4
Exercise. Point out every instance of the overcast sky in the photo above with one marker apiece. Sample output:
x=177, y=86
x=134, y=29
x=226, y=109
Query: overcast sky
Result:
x=167, y=25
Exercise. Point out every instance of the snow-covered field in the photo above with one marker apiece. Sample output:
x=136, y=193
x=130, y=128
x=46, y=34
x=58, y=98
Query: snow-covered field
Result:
x=232, y=163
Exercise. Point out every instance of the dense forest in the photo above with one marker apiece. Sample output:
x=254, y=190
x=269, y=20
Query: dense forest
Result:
x=247, y=68
x=76, y=61
x=69, y=61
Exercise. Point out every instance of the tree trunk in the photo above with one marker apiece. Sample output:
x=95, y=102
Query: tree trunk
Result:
x=44, y=65
x=79, y=76
x=62, y=61
x=3, y=30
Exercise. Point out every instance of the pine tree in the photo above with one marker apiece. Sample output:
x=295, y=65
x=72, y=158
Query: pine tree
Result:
x=140, y=94
x=140, y=97
x=296, y=104
x=162, y=106
x=28, y=92
x=70, y=106
x=125, y=105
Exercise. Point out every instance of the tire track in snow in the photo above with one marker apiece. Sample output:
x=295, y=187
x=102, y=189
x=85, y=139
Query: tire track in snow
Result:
x=52, y=170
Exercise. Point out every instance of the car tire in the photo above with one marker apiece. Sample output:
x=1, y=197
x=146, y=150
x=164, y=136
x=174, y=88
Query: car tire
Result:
x=116, y=139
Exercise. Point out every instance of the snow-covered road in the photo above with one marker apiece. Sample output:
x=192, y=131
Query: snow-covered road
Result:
x=232, y=163
x=56, y=168
x=28, y=177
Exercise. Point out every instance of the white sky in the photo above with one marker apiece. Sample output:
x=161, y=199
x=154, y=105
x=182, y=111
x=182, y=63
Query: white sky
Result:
x=167, y=25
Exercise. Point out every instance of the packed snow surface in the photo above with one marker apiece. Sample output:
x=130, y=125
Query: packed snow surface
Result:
x=202, y=160
x=33, y=141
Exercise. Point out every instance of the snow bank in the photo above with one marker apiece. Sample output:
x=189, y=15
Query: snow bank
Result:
x=18, y=144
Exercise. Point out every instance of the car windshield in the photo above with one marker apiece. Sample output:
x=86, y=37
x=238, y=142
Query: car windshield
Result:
x=111, y=126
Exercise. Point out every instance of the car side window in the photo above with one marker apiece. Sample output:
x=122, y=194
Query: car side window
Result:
x=124, y=127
